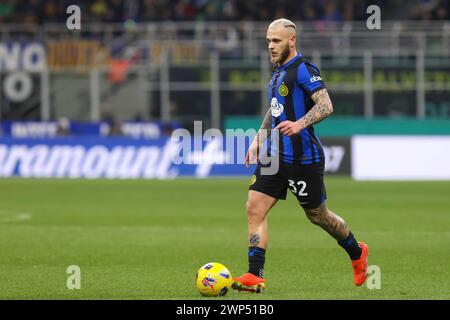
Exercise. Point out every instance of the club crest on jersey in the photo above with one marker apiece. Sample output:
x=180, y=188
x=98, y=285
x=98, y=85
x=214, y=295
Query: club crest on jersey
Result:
x=276, y=107
x=283, y=90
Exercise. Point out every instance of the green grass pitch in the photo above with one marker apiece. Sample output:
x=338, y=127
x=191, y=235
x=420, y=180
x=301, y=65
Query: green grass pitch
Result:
x=146, y=239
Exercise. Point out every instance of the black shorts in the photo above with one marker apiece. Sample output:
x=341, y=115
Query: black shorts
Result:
x=304, y=181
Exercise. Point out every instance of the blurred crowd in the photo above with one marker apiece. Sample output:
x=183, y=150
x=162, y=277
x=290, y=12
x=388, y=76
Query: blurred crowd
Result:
x=50, y=11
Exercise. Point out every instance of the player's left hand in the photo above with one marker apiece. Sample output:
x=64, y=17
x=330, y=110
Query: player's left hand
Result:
x=289, y=128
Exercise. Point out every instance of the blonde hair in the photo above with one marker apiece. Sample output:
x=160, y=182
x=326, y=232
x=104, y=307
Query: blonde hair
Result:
x=283, y=23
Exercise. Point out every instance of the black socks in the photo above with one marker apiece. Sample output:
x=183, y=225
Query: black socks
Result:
x=257, y=255
x=256, y=259
x=351, y=246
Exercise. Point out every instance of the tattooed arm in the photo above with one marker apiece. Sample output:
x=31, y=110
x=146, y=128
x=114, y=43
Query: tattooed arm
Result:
x=322, y=109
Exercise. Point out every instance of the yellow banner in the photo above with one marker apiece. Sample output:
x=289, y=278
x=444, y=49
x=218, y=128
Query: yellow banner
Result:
x=80, y=54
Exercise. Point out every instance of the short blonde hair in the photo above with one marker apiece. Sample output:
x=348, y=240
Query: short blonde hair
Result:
x=283, y=23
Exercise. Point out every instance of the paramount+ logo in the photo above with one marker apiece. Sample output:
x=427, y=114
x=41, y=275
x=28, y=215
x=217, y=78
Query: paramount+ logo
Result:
x=99, y=161
x=65, y=161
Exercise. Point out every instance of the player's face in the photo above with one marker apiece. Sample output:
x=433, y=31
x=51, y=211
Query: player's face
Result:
x=279, y=41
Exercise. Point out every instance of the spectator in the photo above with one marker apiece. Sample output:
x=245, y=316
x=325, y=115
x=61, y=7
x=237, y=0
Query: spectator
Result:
x=442, y=11
x=114, y=124
x=63, y=128
x=99, y=10
x=114, y=11
x=120, y=11
x=115, y=128
x=310, y=13
x=6, y=11
x=51, y=13
x=331, y=12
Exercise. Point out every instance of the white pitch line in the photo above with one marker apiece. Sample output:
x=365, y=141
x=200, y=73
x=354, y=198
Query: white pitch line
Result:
x=11, y=216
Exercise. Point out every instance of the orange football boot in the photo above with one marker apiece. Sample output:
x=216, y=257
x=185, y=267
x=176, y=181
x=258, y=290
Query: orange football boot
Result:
x=360, y=265
x=249, y=282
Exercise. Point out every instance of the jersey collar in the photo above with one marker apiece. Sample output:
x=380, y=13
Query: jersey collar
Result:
x=284, y=66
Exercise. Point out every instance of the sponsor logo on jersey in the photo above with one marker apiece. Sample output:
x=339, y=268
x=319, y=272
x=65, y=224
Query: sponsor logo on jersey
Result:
x=276, y=107
x=315, y=78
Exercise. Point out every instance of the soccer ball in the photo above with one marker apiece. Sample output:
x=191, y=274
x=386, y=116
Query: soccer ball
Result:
x=213, y=279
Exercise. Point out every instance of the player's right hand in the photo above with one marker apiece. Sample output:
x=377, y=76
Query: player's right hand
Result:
x=252, y=154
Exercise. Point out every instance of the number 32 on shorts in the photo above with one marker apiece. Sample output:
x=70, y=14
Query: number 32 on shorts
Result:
x=302, y=186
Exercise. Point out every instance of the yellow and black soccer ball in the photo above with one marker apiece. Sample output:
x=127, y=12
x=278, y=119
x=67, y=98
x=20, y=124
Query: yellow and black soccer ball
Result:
x=213, y=279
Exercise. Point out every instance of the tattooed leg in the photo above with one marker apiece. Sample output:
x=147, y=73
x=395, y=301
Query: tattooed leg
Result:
x=255, y=239
x=257, y=230
x=258, y=205
x=327, y=220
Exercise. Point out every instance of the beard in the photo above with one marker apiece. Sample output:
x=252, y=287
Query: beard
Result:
x=284, y=55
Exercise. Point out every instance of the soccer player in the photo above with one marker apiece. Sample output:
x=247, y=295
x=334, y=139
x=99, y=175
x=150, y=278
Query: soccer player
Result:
x=298, y=100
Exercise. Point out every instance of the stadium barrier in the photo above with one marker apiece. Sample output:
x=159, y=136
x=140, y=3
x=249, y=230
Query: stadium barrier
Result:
x=338, y=126
x=50, y=129
x=127, y=158
x=364, y=157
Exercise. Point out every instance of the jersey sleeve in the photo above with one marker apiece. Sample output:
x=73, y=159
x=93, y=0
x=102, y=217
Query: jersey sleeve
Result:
x=309, y=78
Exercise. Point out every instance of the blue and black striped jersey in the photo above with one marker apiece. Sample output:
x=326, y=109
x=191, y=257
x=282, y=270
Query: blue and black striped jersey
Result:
x=290, y=91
